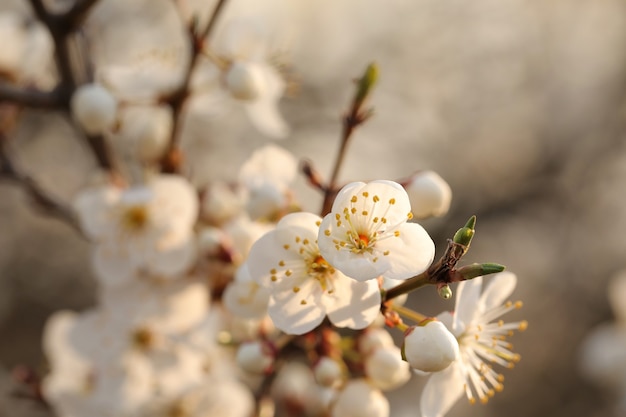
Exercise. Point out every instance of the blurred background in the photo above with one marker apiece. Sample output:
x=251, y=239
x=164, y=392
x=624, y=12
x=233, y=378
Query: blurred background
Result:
x=518, y=104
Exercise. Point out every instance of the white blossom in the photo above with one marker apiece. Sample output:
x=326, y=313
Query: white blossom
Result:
x=430, y=194
x=141, y=229
x=482, y=342
x=266, y=177
x=250, y=77
x=304, y=287
x=366, y=234
x=374, y=338
x=244, y=297
x=430, y=348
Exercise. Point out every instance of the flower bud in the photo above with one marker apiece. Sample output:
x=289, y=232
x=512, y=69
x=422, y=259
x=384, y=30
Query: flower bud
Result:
x=244, y=80
x=327, y=372
x=255, y=357
x=148, y=129
x=430, y=348
x=374, y=338
x=386, y=369
x=94, y=108
x=360, y=399
x=430, y=195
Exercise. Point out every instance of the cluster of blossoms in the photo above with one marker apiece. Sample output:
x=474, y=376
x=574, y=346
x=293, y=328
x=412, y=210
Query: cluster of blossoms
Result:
x=227, y=299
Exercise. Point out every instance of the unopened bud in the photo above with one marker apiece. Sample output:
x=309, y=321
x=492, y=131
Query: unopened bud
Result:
x=430, y=195
x=445, y=292
x=360, y=399
x=327, y=372
x=374, y=338
x=478, y=270
x=366, y=83
x=430, y=348
x=255, y=357
x=94, y=108
x=464, y=235
x=385, y=368
x=244, y=80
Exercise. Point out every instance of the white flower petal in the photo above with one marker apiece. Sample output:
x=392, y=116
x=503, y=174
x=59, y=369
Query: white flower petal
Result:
x=409, y=254
x=176, y=200
x=265, y=255
x=442, y=390
x=112, y=265
x=93, y=207
x=298, y=313
x=498, y=288
x=467, y=297
x=356, y=304
x=171, y=258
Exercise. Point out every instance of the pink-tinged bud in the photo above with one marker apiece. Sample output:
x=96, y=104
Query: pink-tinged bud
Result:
x=94, y=108
x=430, y=195
x=255, y=357
x=430, y=348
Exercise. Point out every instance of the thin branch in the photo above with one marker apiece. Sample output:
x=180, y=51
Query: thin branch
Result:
x=177, y=99
x=10, y=172
x=77, y=14
x=31, y=97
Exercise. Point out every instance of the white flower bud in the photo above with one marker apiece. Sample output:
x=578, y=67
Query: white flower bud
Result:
x=374, y=338
x=430, y=348
x=360, y=399
x=386, y=369
x=244, y=80
x=94, y=108
x=430, y=195
x=327, y=372
x=254, y=357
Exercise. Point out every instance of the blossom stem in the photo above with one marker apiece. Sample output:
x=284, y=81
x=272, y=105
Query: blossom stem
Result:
x=408, y=313
x=354, y=118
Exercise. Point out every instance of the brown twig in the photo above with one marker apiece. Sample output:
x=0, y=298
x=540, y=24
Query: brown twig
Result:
x=176, y=100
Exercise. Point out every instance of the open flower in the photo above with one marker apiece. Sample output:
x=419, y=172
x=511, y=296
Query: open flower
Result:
x=366, y=234
x=145, y=228
x=482, y=341
x=249, y=77
x=304, y=288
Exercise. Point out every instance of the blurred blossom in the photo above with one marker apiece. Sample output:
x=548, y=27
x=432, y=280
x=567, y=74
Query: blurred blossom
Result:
x=142, y=228
x=430, y=195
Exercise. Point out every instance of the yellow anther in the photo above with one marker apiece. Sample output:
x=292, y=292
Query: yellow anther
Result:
x=484, y=400
x=288, y=272
x=297, y=239
x=318, y=222
x=339, y=223
x=303, y=302
x=508, y=304
x=376, y=199
x=286, y=247
x=523, y=325
x=305, y=242
x=375, y=219
x=385, y=253
x=366, y=194
x=353, y=210
x=296, y=289
x=499, y=388
x=337, y=216
x=273, y=271
x=396, y=233
x=519, y=304
x=281, y=263
x=274, y=278
x=364, y=213
x=409, y=216
x=353, y=199
x=384, y=220
x=375, y=259
x=392, y=201
x=500, y=323
x=327, y=232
